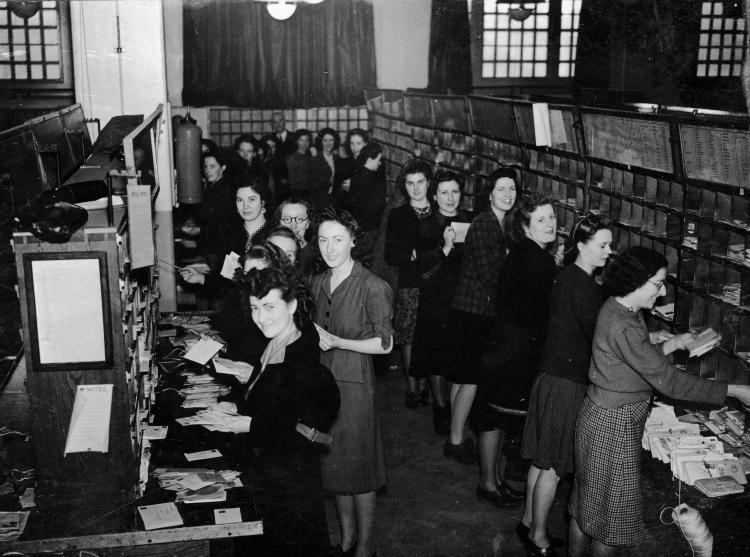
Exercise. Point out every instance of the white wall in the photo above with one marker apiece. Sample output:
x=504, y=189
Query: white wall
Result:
x=402, y=42
x=108, y=83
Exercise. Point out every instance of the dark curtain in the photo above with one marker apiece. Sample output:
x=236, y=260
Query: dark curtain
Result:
x=236, y=54
x=450, y=47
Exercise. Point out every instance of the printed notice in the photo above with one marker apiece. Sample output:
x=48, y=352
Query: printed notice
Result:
x=89, y=423
x=140, y=226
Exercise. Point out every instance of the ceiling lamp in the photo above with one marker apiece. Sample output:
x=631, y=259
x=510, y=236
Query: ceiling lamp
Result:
x=312, y=1
x=521, y=13
x=281, y=10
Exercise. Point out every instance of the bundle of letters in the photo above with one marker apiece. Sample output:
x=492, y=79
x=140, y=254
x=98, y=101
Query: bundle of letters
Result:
x=197, y=485
x=201, y=390
x=214, y=419
x=699, y=460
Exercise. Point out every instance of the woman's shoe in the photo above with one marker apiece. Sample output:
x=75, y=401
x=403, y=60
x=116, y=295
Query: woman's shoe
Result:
x=465, y=453
x=522, y=531
x=537, y=551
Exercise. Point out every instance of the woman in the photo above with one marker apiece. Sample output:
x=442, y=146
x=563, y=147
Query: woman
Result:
x=474, y=303
x=295, y=214
x=290, y=400
x=401, y=237
x=511, y=356
x=274, y=165
x=299, y=165
x=558, y=392
x=286, y=241
x=324, y=168
x=244, y=229
x=354, y=322
x=366, y=199
x=626, y=368
x=216, y=207
x=438, y=264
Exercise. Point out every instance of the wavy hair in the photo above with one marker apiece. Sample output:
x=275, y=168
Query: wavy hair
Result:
x=259, y=282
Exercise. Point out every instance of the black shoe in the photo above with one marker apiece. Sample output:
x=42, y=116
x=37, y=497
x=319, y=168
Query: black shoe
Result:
x=465, y=453
x=512, y=491
x=441, y=419
x=537, y=551
x=411, y=399
x=424, y=397
x=522, y=531
x=499, y=498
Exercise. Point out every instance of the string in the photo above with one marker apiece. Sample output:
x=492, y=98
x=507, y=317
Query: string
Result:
x=687, y=517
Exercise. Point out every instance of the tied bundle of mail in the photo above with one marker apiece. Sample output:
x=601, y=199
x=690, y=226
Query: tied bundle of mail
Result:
x=201, y=390
x=197, y=485
x=693, y=458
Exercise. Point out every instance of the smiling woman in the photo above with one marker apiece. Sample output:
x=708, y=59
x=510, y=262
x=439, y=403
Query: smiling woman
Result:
x=353, y=317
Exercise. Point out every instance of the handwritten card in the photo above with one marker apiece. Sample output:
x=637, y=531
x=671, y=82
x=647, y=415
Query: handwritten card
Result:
x=231, y=263
x=89, y=423
x=203, y=350
x=460, y=228
x=164, y=515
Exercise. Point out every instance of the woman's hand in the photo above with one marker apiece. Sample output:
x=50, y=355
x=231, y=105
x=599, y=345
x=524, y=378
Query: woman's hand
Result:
x=192, y=276
x=657, y=337
x=327, y=340
x=226, y=407
x=740, y=392
x=677, y=342
x=237, y=424
x=449, y=237
x=559, y=255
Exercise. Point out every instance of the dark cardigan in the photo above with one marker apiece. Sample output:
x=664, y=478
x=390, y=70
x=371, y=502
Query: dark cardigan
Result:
x=401, y=239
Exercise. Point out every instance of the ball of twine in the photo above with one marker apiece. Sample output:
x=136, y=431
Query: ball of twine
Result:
x=694, y=529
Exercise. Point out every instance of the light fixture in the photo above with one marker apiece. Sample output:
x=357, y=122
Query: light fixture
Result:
x=522, y=13
x=281, y=10
x=312, y=1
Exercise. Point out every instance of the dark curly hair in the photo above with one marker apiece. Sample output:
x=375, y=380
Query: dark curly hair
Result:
x=341, y=216
x=285, y=232
x=257, y=181
x=322, y=133
x=302, y=132
x=369, y=151
x=245, y=138
x=584, y=230
x=521, y=213
x=632, y=268
x=259, y=282
x=445, y=176
x=268, y=252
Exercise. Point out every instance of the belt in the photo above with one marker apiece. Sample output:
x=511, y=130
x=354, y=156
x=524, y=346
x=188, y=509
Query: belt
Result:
x=312, y=434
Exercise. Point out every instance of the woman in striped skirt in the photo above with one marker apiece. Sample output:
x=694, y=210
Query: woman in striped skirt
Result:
x=605, y=505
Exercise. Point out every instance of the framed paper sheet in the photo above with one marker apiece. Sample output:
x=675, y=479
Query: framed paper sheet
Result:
x=69, y=315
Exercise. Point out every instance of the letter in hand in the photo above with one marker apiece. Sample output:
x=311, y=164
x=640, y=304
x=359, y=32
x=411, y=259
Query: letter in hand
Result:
x=327, y=340
x=191, y=275
x=237, y=424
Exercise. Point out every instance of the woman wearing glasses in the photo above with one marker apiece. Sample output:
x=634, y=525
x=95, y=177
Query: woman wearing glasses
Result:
x=626, y=368
x=296, y=214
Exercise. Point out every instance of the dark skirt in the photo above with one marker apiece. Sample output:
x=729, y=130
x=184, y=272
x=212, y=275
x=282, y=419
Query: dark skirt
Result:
x=405, y=315
x=472, y=331
x=606, y=500
x=549, y=435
